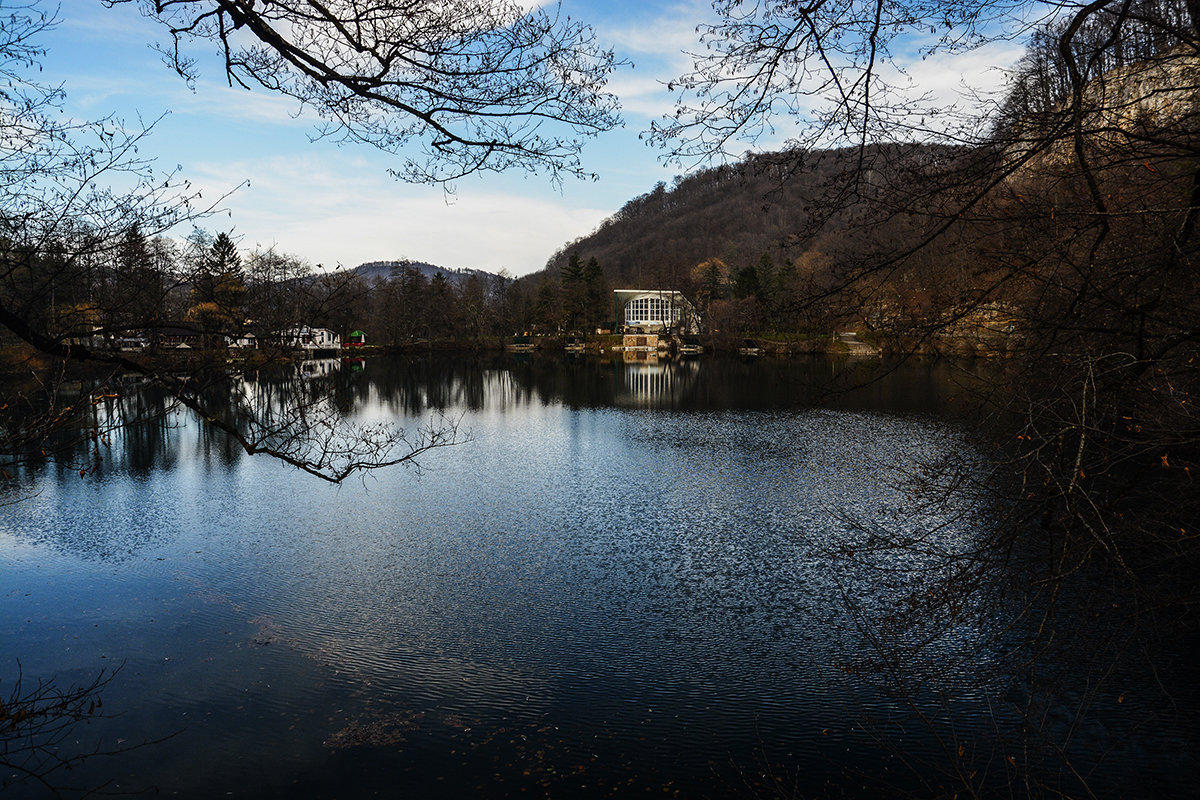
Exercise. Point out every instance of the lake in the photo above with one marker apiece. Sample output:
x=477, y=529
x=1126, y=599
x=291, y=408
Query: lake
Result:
x=650, y=578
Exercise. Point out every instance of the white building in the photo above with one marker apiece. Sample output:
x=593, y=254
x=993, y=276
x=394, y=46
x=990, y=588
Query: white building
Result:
x=245, y=341
x=653, y=310
x=305, y=338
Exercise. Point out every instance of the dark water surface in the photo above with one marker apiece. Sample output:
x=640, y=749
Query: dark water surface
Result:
x=625, y=584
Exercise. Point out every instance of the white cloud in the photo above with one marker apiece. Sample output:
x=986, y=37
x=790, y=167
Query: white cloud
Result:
x=121, y=23
x=342, y=210
x=668, y=35
x=220, y=101
x=657, y=46
x=950, y=78
x=642, y=95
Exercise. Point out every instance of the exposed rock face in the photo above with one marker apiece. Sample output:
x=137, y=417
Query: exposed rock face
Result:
x=1150, y=101
x=1150, y=94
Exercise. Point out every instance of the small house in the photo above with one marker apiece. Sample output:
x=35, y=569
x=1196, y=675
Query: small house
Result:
x=178, y=336
x=245, y=341
x=305, y=338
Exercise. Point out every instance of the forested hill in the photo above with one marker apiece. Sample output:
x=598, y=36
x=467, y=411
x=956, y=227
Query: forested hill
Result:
x=737, y=213
x=387, y=270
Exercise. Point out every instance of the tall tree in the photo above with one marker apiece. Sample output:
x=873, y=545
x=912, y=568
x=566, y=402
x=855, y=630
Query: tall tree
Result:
x=711, y=278
x=414, y=304
x=545, y=317
x=277, y=297
x=746, y=283
x=62, y=226
x=139, y=285
x=1066, y=222
x=474, y=312
x=597, y=297
x=441, y=307
x=218, y=286
x=573, y=290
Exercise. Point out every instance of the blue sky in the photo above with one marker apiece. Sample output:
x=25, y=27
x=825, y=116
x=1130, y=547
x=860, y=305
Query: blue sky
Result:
x=337, y=205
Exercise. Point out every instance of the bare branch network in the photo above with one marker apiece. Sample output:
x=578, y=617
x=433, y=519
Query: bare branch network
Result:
x=38, y=719
x=473, y=86
x=85, y=264
x=826, y=71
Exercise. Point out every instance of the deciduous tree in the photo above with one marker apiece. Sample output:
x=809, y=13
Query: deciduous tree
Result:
x=1063, y=215
x=474, y=85
x=65, y=239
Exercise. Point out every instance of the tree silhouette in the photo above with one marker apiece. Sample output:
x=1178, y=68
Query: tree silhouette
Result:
x=1057, y=226
x=477, y=85
x=71, y=262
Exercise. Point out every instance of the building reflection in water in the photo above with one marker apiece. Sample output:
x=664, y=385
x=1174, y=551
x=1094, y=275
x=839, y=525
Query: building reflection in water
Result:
x=651, y=382
x=141, y=428
x=317, y=367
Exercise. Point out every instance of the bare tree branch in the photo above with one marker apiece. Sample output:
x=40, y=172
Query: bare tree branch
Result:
x=477, y=85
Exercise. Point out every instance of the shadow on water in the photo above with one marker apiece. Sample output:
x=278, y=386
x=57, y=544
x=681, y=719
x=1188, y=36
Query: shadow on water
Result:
x=414, y=385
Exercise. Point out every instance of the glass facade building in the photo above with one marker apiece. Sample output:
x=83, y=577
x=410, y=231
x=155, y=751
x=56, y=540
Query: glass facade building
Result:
x=651, y=311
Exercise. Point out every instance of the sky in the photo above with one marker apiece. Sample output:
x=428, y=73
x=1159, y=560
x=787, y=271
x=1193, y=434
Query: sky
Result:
x=337, y=205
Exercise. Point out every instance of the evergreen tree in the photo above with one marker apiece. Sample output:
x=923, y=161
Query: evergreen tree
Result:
x=596, y=295
x=712, y=278
x=218, y=285
x=224, y=257
x=574, y=293
x=138, y=286
x=229, y=284
x=545, y=320
x=746, y=283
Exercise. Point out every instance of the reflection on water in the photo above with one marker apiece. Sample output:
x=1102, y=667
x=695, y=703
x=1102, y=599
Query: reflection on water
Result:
x=631, y=580
x=413, y=388
x=651, y=384
x=317, y=367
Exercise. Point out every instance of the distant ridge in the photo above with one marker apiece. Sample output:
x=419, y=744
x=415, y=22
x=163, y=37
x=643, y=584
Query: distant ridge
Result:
x=385, y=270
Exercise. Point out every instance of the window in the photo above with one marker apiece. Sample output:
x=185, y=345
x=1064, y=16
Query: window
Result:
x=651, y=310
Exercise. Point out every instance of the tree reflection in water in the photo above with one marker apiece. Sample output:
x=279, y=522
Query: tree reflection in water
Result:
x=688, y=533
x=41, y=726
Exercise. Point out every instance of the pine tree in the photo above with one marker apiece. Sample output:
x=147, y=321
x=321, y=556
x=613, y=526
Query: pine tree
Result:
x=574, y=293
x=595, y=294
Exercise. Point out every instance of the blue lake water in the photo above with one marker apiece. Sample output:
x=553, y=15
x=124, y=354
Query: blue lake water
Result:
x=630, y=579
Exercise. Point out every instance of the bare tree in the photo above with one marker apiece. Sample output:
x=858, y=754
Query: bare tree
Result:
x=1062, y=217
x=67, y=242
x=481, y=85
